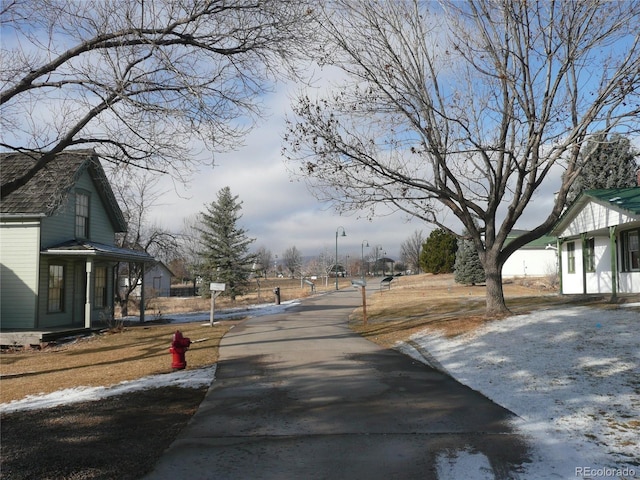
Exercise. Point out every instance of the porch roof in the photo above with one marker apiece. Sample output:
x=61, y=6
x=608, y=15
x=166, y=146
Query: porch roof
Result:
x=81, y=248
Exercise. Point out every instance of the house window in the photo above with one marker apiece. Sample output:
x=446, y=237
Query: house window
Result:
x=631, y=250
x=82, y=215
x=590, y=255
x=571, y=257
x=100, y=288
x=55, y=298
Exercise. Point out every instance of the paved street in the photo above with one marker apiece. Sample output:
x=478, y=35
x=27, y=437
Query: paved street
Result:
x=297, y=395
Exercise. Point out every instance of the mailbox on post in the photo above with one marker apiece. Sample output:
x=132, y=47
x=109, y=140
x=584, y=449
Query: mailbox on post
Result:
x=216, y=289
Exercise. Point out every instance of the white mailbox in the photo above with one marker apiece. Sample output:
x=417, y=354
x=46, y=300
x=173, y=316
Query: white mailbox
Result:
x=216, y=289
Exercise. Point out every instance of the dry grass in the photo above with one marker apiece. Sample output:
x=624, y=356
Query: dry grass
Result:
x=104, y=359
x=415, y=303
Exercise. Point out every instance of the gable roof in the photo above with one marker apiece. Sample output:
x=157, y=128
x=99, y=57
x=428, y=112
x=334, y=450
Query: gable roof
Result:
x=620, y=199
x=49, y=188
x=537, y=244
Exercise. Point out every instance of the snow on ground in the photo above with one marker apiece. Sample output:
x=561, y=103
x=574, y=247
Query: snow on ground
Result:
x=571, y=375
x=195, y=378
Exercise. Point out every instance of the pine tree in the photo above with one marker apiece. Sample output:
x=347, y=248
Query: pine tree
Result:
x=225, y=246
x=438, y=252
x=608, y=163
x=468, y=269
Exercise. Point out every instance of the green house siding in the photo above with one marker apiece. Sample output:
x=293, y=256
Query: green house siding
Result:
x=60, y=226
x=19, y=276
x=75, y=293
x=64, y=318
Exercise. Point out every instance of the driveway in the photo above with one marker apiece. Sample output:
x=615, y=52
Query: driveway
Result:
x=298, y=395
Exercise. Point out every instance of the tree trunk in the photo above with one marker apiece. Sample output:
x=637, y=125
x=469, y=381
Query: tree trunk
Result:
x=496, y=306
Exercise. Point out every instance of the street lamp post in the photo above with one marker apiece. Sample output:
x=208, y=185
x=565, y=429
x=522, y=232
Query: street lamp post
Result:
x=362, y=259
x=344, y=234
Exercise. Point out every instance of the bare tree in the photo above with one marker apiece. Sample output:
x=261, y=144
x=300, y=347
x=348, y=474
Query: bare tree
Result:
x=136, y=195
x=292, y=259
x=190, y=245
x=141, y=81
x=411, y=249
x=466, y=108
x=264, y=258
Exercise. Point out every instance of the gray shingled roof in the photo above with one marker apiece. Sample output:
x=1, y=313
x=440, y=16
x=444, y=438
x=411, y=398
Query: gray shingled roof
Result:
x=49, y=188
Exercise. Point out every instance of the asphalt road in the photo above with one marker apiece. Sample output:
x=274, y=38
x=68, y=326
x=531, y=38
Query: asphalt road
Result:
x=298, y=395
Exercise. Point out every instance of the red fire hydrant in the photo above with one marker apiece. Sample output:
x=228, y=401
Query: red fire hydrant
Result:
x=179, y=346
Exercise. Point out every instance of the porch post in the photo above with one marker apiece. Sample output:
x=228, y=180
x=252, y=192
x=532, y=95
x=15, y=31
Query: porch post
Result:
x=87, y=298
x=614, y=263
x=559, y=263
x=583, y=241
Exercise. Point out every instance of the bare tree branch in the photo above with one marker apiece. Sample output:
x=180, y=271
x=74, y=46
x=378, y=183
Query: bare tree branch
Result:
x=146, y=82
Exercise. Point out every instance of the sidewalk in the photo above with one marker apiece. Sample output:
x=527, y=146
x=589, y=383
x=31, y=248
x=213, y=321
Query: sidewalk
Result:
x=298, y=395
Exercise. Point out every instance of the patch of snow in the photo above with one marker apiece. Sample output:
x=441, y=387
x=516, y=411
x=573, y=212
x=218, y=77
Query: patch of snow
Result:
x=196, y=378
x=571, y=375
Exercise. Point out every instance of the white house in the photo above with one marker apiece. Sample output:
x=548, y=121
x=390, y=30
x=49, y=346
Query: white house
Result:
x=535, y=259
x=57, y=244
x=599, y=242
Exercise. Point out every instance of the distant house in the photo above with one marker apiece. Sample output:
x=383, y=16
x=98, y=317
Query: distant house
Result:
x=157, y=280
x=599, y=238
x=57, y=244
x=535, y=259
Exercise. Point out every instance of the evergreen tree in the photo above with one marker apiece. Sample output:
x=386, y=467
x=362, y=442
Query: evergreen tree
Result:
x=468, y=268
x=225, y=246
x=439, y=252
x=607, y=163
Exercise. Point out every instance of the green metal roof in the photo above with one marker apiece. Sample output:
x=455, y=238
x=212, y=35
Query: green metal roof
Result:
x=624, y=198
x=539, y=243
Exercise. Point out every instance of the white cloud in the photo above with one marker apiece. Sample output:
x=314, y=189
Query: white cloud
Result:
x=277, y=211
